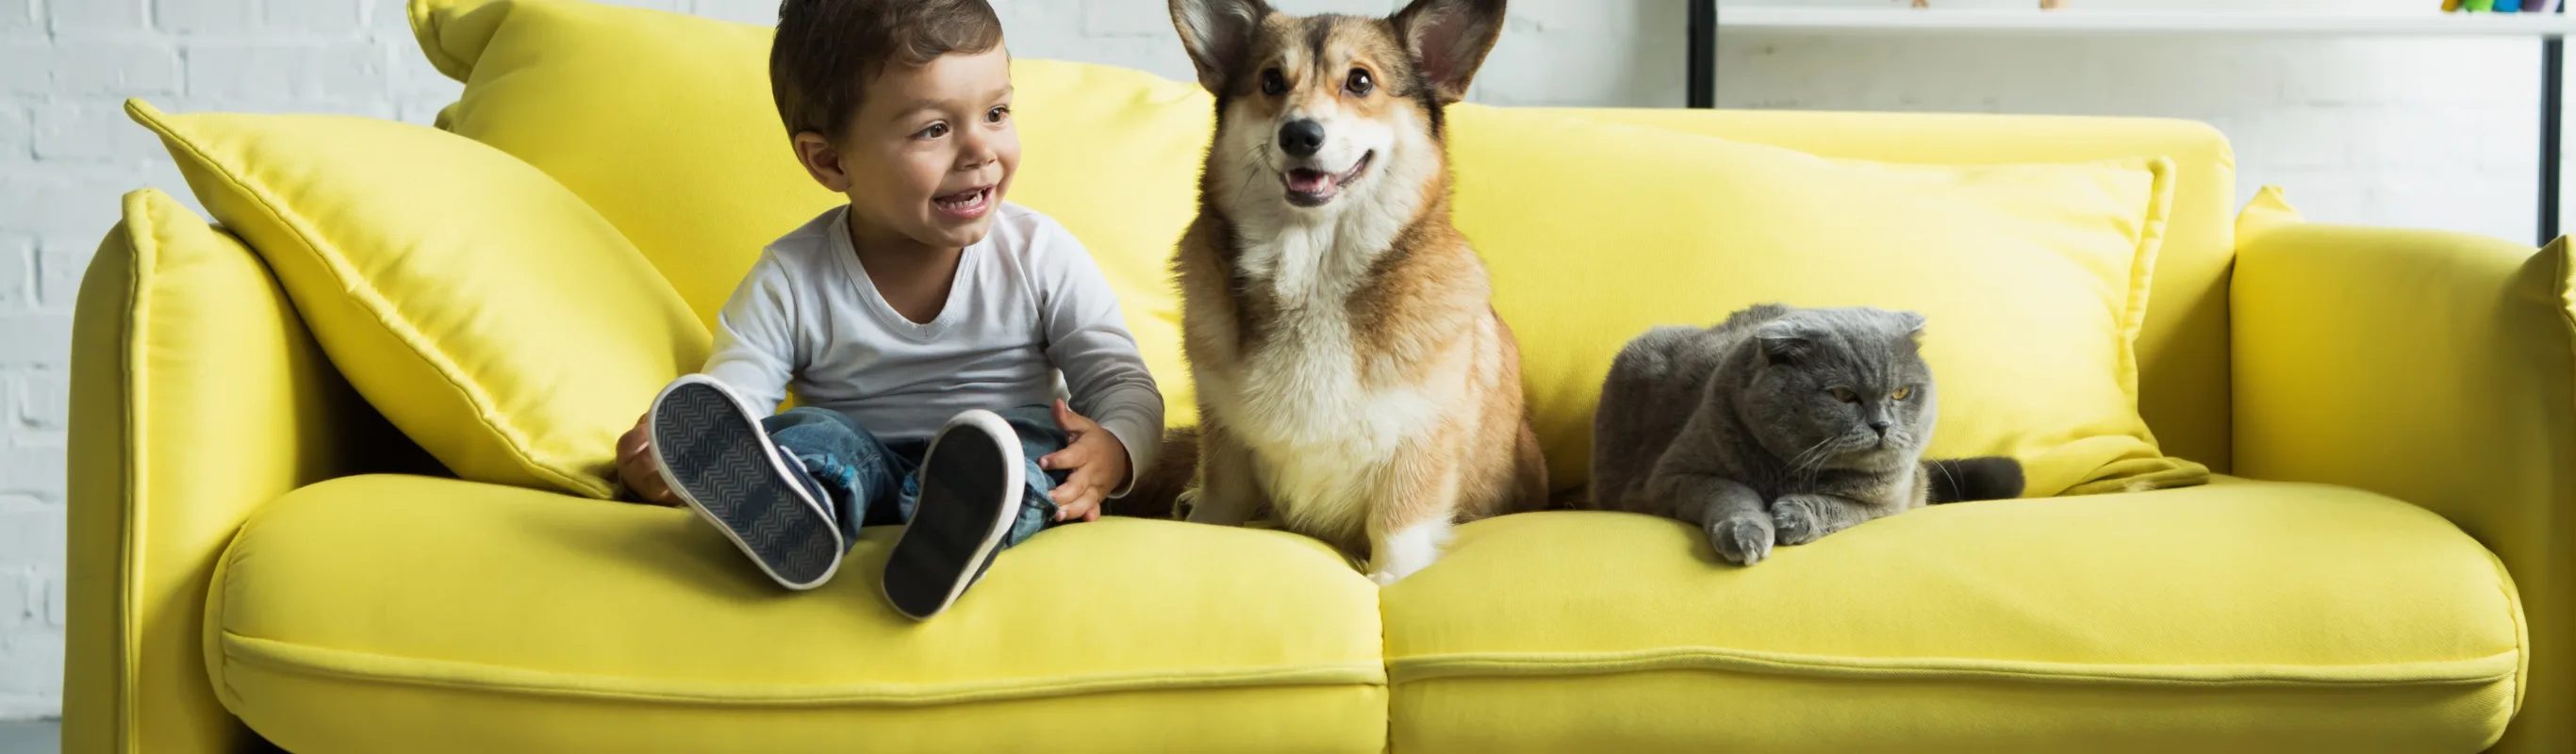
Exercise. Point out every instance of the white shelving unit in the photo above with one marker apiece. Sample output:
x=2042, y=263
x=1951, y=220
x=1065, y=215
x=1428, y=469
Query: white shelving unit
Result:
x=1709, y=18
x=1748, y=18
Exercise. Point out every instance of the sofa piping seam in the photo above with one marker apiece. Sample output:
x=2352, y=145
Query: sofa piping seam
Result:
x=1526, y=665
x=245, y=650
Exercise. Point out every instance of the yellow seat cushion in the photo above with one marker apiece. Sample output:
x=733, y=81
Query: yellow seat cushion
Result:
x=396, y=613
x=2035, y=276
x=2238, y=616
x=486, y=311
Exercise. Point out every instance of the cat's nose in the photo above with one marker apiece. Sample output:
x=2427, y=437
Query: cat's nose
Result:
x=1880, y=425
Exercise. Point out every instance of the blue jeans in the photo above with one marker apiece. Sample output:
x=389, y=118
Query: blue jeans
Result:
x=872, y=483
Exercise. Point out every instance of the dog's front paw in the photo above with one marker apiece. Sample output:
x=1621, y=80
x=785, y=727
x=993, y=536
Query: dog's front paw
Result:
x=1794, y=517
x=1385, y=578
x=1742, y=539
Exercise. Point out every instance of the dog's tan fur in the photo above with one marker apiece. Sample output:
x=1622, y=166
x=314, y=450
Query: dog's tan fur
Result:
x=1355, y=384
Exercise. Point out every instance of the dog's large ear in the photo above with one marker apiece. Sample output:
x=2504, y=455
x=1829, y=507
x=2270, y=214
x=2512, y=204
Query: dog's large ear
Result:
x=1218, y=34
x=1451, y=38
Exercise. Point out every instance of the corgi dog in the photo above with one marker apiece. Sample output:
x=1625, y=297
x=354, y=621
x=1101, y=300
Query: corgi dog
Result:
x=1354, y=382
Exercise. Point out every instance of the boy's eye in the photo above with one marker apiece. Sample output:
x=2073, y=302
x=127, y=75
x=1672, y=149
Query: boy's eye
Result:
x=1272, y=83
x=1359, y=83
x=932, y=131
x=996, y=114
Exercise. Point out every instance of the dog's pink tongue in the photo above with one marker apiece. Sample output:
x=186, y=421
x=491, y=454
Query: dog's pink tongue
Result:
x=1308, y=181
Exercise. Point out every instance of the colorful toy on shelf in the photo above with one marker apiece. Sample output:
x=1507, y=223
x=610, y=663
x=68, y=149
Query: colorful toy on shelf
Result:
x=2501, y=6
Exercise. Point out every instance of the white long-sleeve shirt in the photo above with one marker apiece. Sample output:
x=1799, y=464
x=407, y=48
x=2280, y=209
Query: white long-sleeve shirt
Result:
x=1028, y=319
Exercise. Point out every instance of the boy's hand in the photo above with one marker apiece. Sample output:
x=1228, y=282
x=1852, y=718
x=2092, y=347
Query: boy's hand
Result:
x=1098, y=461
x=636, y=468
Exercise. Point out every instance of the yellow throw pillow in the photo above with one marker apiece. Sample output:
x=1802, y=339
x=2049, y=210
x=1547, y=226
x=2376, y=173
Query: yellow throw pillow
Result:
x=2034, y=277
x=664, y=123
x=486, y=311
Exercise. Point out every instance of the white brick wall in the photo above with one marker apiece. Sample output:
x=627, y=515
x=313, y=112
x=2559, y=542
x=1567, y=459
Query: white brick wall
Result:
x=2430, y=133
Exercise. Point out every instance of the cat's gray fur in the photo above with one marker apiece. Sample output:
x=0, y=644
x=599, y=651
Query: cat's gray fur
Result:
x=1780, y=425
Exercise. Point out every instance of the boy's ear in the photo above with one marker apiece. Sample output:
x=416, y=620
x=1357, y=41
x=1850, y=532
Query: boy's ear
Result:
x=1218, y=34
x=821, y=160
x=1450, y=38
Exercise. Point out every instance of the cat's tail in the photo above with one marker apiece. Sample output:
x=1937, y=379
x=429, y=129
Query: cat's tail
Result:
x=1157, y=492
x=1959, y=480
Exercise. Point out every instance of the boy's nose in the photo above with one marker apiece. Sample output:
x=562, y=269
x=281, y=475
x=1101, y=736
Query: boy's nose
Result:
x=973, y=151
x=1301, y=138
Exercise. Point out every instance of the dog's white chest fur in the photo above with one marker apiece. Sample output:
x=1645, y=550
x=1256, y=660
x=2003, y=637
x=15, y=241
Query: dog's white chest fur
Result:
x=1322, y=429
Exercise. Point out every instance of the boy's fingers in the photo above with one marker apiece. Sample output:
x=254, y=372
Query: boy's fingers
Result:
x=1075, y=425
x=1076, y=456
x=1085, y=507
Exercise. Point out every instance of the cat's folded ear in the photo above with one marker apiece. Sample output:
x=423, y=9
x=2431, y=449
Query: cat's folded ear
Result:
x=1783, y=341
x=1912, y=322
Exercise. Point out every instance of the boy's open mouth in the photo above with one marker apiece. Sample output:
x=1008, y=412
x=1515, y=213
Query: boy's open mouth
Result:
x=1312, y=188
x=968, y=204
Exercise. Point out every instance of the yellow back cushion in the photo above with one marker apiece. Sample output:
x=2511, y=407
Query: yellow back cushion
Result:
x=2033, y=276
x=486, y=311
x=682, y=148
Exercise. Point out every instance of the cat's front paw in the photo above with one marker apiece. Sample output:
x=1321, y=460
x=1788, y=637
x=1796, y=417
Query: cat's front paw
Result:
x=1742, y=539
x=1795, y=518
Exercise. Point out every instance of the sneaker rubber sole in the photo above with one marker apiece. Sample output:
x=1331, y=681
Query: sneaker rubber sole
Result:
x=717, y=458
x=972, y=478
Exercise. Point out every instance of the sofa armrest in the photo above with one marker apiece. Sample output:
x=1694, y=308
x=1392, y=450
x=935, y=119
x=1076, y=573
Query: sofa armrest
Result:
x=2436, y=368
x=197, y=397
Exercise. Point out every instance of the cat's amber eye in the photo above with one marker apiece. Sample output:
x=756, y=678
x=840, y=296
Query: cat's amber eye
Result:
x=1903, y=393
x=1844, y=394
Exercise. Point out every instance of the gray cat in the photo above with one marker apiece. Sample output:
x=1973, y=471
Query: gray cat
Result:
x=1779, y=425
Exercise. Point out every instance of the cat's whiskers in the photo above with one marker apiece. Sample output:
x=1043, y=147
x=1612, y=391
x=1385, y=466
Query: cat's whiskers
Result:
x=1810, y=462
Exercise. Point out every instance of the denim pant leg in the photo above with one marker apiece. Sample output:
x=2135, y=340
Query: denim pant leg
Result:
x=1039, y=436
x=847, y=463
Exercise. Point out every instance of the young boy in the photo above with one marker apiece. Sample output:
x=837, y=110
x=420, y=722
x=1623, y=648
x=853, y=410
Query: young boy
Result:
x=922, y=327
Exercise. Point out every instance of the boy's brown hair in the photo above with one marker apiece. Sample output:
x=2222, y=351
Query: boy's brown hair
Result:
x=826, y=51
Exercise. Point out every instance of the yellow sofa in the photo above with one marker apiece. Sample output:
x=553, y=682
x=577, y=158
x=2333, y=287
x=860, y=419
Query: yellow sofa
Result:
x=256, y=553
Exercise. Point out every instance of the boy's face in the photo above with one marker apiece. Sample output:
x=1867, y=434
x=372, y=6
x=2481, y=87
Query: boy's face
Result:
x=930, y=153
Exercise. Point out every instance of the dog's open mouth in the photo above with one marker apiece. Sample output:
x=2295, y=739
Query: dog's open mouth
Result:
x=1312, y=188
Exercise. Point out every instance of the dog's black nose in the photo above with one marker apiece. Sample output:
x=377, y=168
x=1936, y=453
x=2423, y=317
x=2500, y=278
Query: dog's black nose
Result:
x=1301, y=138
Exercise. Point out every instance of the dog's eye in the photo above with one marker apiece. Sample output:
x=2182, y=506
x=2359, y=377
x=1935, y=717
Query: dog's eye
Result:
x=1844, y=394
x=1272, y=83
x=1903, y=393
x=1359, y=83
